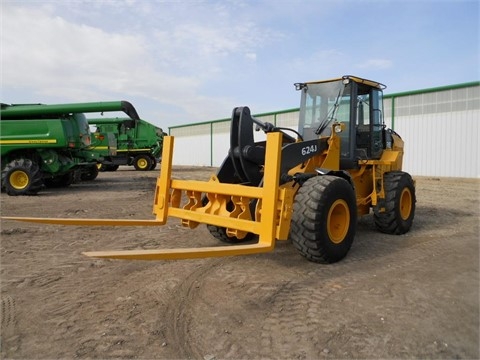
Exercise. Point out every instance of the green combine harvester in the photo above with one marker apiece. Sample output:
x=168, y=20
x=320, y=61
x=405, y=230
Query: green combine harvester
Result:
x=137, y=143
x=49, y=145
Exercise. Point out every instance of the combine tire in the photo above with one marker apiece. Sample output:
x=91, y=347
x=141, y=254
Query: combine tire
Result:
x=142, y=162
x=22, y=177
x=154, y=163
x=324, y=219
x=399, y=204
x=89, y=173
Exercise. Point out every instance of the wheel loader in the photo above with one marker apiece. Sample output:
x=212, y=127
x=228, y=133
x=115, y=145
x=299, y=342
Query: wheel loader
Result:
x=307, y=185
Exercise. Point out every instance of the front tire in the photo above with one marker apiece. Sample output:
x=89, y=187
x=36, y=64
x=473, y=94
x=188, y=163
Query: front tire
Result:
x=220, y=233
x=324, y=219
x=399, y=203
x=22, y=177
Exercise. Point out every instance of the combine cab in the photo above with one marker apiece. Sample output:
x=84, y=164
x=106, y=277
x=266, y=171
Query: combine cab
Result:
x=307, y=185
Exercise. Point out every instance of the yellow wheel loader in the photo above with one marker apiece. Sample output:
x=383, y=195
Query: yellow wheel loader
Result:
x=307, y=185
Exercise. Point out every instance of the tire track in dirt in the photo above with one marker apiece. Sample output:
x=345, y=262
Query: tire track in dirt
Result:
x=297, y=312
x=188, y=300
x=291, y=299
x=8, y=321
x=299, y=306
x=179, y=310
x=8, y=312
x=246, y=297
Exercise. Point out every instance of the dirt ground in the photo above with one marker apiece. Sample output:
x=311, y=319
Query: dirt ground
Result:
x=410, y=296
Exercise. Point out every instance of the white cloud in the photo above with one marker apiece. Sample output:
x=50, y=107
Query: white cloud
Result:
x=203, y=48
x=194, y=60
x=251, y=56
x=51, y=55
x=43, y=52
x=323, y=63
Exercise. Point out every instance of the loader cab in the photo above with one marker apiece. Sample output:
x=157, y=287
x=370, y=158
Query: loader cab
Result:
x=357, y=104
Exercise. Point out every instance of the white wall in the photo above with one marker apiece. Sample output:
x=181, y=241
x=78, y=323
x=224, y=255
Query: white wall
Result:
x=442, y=144
x=441, y=132
x=192, y=145
x=220, y=142
x=440, y=128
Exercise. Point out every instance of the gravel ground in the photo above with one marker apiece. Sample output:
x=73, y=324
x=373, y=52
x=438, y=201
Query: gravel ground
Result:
x=410, y=296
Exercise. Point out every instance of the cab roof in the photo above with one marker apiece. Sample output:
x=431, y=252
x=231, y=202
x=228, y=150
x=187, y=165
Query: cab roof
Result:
x=356, y=79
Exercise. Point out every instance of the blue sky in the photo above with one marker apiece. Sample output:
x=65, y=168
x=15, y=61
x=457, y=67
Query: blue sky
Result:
x=189, y=61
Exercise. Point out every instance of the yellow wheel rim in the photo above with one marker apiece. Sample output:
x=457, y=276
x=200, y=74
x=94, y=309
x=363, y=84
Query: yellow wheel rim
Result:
x=405, y=203
x=19, y=179
x=338, y=221
x=142, y=163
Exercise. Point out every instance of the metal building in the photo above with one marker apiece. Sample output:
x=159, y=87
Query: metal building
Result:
x=440, y=127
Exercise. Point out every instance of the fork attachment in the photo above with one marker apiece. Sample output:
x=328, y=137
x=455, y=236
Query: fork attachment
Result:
x=270, y=221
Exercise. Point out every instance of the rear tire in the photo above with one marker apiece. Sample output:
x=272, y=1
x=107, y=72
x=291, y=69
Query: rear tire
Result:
x=324, y=219
x=399, y=204
x=142, y=162
x=21, y=177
